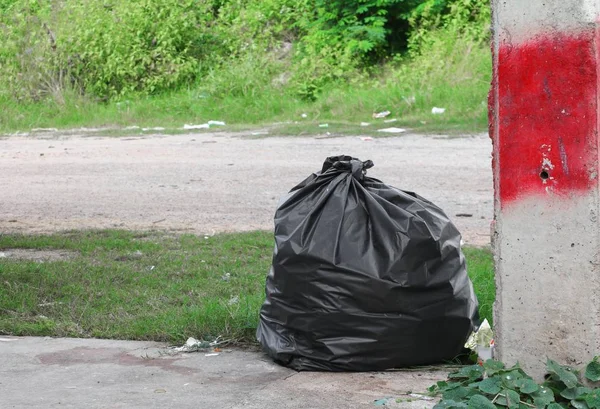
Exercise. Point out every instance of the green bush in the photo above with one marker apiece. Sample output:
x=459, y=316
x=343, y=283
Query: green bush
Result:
x=52, y=49
x=104, y=49
x=449, y=60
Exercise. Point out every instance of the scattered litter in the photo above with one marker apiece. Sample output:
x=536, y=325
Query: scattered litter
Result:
x=304, y=116
x=234, y=300
x=324, y=126
x=381, y=402
x=152, y=268
x=7, y=339
x=157, y=128
x=392, y=130
x=186, y=384
x=206, y=237
x=410, y=100
x=194, y=345
x=364, y=124
x=389, y=121
x=215, y=354
x=482, y=341
x=50, y=304
x=160, y=391
x=464, y=215
x=44, y=130
x=260, y=133
x=226, y=277
x=203, y=126
x=381, y=114
x=203, y=261
x=2, y=254
x=438, y=111
x=419, y=396
x=366, y=138
x=132, y=127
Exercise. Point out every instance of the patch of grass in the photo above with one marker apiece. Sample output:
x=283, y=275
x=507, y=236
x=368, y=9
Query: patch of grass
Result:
x=345, y=106
x=480, y=264
x=150, y=286
x=404, y=90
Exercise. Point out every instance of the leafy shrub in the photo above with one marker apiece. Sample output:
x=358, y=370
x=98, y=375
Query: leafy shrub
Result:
x=495, y=386
x=449, y=60
x=106, y=49
x=113, y=48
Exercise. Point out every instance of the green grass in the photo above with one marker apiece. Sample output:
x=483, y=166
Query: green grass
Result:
x=149, y=286
x=263, y=104
x=480, y=264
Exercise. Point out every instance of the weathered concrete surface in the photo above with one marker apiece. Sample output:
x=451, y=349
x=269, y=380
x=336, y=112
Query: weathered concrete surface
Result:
x=212, y=182
x=544, y=124
x=74, y=373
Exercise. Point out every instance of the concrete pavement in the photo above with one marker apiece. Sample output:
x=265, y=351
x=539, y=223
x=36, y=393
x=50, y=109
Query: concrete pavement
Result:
x=91, y=373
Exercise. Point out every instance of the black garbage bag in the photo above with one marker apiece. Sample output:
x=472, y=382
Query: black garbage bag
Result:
x=364, y=277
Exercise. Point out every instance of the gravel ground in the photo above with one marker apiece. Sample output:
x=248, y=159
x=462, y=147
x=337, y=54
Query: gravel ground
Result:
x=214, y=182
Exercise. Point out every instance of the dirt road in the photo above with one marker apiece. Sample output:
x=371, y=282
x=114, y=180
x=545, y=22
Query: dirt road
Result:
x=214, y=182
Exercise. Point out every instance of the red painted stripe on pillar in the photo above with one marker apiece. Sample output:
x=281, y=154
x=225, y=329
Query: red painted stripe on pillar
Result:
x=547, y=117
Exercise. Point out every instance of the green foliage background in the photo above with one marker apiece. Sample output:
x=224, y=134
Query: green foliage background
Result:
x=415, y=53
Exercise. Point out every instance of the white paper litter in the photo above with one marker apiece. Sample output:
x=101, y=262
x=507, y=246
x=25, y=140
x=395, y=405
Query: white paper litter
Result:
x=202, y=126
x=484, y=337
x=437, y=111
x=381, y=114
x=392, y=130
x=194, y=345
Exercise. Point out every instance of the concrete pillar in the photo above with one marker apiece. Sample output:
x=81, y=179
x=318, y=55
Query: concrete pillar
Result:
x=544, y=118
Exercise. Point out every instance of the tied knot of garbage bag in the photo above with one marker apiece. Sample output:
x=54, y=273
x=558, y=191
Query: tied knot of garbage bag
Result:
x=344, y=163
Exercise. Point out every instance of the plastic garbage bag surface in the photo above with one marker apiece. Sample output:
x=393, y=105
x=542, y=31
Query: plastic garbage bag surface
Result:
x=364, y=277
